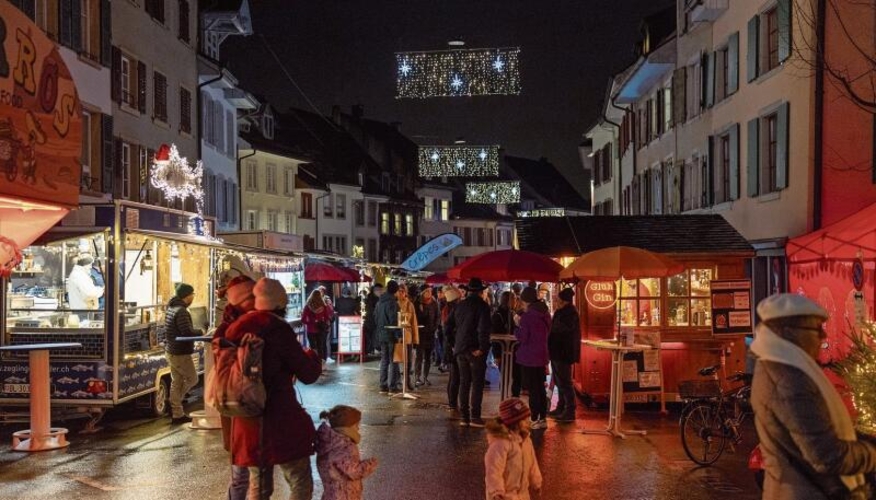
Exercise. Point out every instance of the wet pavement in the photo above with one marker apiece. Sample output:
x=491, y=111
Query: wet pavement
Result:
x=422, y=453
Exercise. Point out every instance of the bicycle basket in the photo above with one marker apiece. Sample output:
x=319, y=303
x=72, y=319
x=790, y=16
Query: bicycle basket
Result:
x=692, y=389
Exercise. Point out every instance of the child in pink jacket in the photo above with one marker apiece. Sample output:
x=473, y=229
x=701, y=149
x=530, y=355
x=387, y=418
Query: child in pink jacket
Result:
x=337, y=454
x=510, y=463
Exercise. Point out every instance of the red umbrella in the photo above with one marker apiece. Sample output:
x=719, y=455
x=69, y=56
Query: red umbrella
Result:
x=321, y=271
x=438, y=279
x=507, y=265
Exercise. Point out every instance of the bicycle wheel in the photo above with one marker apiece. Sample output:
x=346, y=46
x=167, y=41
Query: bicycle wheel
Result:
x=702, y=434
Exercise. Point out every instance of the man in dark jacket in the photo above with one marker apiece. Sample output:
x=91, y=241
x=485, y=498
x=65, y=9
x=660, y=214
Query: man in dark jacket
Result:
x=429, y=319
x=369, y=323
x=346, y=305
x=178, y=323
x=471, y=322
x=386, y=314
x=564, y=347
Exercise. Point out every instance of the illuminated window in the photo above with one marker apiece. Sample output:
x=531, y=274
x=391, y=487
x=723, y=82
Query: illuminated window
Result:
x=384, y=223
x=688, y=303
x=639, y=302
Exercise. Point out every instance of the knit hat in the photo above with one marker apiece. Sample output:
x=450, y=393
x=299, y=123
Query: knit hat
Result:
x=269, y=294
x=566, y=294
x=529, y=295
x=238, y=289
x=450, y=293
x=183, y=290
x=342, y=416
x=513, y=410
x=783, y=305
x=392, y=287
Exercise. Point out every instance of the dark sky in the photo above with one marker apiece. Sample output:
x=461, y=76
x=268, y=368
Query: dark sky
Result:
x=342, y=52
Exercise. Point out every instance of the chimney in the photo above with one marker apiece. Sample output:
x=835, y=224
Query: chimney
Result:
x=358, y=111
x=336, y=114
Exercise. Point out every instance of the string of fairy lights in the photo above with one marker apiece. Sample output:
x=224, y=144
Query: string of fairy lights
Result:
x=492, y=192
x=458, y=161
x=458, y=72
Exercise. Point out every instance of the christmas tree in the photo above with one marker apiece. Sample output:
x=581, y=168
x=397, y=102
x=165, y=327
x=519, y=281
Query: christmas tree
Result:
x=858, y=370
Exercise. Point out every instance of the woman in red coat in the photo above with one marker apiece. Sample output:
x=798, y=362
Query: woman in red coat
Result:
x=284, y=434
x=317, y=318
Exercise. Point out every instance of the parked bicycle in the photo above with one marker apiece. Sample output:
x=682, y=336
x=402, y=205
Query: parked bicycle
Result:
x=712, y=417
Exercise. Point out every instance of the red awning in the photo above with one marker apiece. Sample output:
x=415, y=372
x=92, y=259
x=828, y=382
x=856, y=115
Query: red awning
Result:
x=841, y=240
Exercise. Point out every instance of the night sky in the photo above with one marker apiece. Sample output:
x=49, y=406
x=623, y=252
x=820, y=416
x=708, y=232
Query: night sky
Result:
x=343, y=52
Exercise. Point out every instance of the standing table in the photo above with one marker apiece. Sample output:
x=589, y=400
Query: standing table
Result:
x=508, y=343
x=41, y=435
x=404, y=394
x=616, y=397
x=207, y=419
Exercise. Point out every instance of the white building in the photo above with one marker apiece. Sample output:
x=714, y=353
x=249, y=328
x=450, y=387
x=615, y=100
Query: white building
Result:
x=437, y=210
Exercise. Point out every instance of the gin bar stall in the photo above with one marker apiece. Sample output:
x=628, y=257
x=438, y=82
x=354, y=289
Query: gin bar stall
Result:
x=103, y=278
x=672, y=314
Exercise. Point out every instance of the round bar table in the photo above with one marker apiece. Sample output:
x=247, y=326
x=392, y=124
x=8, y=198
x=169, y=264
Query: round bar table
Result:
x=41, y=435
x=508, y=343
x=207, y=419
x=615, y=404
x=404, y=394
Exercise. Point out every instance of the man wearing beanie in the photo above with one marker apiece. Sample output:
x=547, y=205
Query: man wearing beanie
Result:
x=564, y=347
x=285, y=430
x=178, y=323
x=386, y=314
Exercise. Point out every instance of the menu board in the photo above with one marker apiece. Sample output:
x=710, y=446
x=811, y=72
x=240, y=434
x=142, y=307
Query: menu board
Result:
x=641, y=371
x=731, y=307
x=350, y=335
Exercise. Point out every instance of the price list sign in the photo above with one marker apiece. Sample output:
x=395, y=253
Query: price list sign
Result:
x=731, y=307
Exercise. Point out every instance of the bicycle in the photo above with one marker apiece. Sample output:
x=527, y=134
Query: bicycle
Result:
x=711, y=416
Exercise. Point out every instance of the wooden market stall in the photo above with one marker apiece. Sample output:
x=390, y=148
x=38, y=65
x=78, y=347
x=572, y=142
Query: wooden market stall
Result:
x=673, y=314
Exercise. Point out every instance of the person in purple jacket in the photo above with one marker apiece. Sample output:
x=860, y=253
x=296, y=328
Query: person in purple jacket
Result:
x=532, y=353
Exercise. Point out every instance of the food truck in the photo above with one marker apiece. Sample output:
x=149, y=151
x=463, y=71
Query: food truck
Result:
x=102, y=277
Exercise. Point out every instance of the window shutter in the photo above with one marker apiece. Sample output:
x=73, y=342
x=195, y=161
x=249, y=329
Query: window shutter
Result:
x=116, y=69
x=709, y=180
x=106, y=38
x=184, y=20
x=752, y=54
x=753, y=167
x=76, y=25
x=783, y=11
x=679, y=99
x=230, y=133
x=107, y=155
x=710, y=78
x=782, y=129
x=734, y=162
x=154, y=193
x=141, y=87
x=160, y=10
x=185, y=110
x=66, y=23
x=733, y=63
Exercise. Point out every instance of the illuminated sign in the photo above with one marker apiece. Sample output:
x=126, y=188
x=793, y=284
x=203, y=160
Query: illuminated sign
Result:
x=601, y=294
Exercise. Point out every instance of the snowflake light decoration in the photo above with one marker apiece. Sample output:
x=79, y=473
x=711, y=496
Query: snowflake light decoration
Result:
x=458, y=72
x=492, y=193
x=459, y=160
x=174, y=176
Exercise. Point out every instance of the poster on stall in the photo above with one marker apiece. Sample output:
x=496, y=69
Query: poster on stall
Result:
x=350, y=335
x=642, y=370
x=731, y=307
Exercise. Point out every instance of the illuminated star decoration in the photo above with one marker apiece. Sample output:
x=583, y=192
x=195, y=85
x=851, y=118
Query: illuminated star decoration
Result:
x=172, y=174
x=458, y=160
x=458, y=72
x=492, y=193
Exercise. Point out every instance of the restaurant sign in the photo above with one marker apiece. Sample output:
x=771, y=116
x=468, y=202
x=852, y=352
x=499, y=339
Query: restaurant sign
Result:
x=40, y=115
x=601, y=294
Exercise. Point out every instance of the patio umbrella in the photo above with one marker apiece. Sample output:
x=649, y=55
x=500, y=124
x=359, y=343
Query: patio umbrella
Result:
x=321, y=271
x=507, y=265
x=620, y=262
x=437, y=279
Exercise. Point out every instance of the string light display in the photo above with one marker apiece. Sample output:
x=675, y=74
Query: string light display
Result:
x=458, y=160
x=458, y=72
x=858, y=370
x=492, y=193
x=542, y=212
x=175, y=177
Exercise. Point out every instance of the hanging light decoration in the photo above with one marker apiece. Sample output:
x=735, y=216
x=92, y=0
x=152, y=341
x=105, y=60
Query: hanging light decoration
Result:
x=175, y=177
x=458, y=72
x=492, y=193
x=458, y=161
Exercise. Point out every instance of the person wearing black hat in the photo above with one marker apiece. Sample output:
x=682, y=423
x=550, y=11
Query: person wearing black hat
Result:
x=564, y=348
x=471, y=322
x=178, y=323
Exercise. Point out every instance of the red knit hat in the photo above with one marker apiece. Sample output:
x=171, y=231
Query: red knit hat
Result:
x=513, y=410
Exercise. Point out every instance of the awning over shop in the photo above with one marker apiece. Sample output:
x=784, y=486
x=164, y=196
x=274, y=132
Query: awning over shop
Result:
x=670, y=234
x=841, y=240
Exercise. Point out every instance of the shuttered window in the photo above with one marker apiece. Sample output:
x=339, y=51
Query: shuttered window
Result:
x=184, y=20
x=155, y=8
x=159, y=96
x=185, y=110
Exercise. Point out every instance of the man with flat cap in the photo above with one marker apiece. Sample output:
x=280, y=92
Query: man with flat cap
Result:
x=178, y=323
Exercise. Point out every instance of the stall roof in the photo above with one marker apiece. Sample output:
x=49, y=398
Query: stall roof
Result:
x=691, y=234
x=183, y=238
x=841, y=240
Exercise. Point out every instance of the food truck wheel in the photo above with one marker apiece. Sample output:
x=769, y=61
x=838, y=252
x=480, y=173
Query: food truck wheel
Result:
x=160, y=398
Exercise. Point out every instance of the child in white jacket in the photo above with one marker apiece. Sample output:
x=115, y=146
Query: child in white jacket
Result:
x=510, y=463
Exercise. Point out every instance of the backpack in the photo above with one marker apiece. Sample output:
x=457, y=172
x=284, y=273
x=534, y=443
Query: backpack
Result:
x=234, y=387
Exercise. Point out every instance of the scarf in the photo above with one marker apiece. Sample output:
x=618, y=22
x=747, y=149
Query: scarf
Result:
x=350, y=432
x=770, y=347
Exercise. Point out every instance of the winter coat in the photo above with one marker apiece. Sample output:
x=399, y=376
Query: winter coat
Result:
x=471, y=321
x=288, y=429
x=347, y=306
x=502, y=320
x=510, y=465
x=429, y=316
x=564, y=341
x=803, y=456
x=386, y=314
x=532, y=336
x=370, y=306
x=229, y=316
x=82, y=293
x=412, y=332
x=339, y=466
x=448, y=330
x=178, y=323
x=316, y=321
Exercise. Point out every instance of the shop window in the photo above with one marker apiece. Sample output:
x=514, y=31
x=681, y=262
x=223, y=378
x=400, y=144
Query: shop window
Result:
x=688, y=302
x=639, y=302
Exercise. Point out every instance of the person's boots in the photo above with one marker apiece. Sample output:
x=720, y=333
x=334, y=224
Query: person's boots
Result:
x=566, y=416
x=559, y=410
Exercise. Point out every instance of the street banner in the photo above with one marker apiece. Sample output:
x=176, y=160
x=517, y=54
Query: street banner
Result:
x=431, y=250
